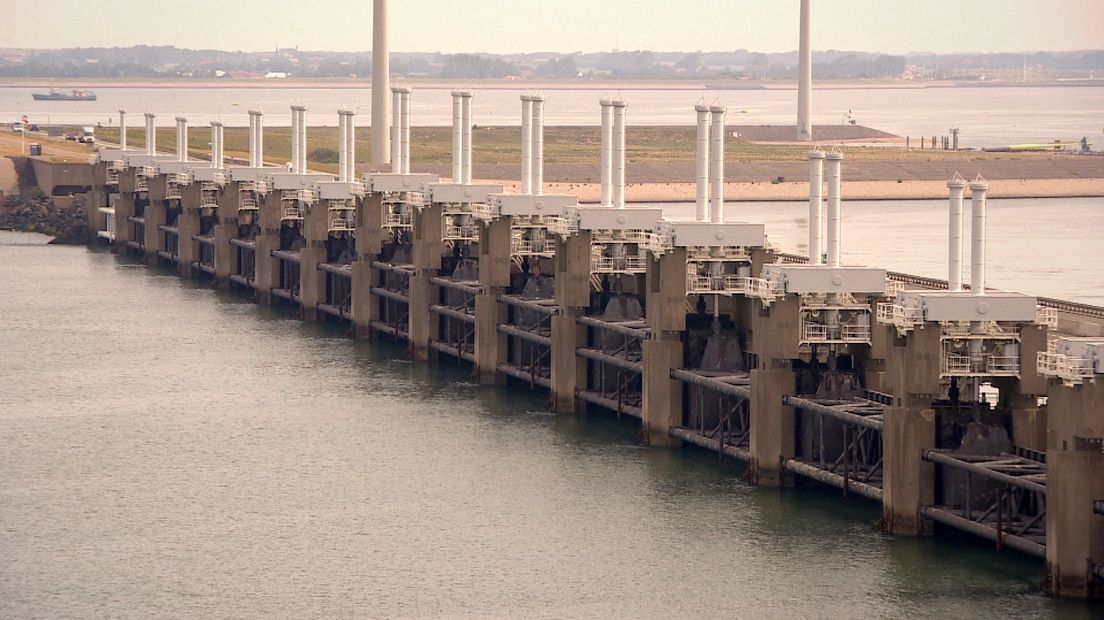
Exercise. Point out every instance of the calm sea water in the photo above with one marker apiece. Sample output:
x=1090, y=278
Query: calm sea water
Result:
x=166, y=450
x=986, y=116
x=172, y=451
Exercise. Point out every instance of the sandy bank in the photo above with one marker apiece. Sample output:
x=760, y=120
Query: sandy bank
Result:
x=852, y=190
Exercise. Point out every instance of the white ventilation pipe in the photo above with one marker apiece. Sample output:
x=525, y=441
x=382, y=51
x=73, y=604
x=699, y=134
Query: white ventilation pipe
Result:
x=619, y=153
x=457, y=138
x=381, y=83
x=256, y=143
x=816, y=207
x=350, y=144
x=151, y=134
x=835, y=206
x=299, y=139
x=716, y=164
x=978, y=191
x=342, y=148
x=702, y=154
x=607, y=152
x=294, y=139
x=957, y=189
x=526, y=144
x=805, y=77
x=216, y=144
x=466, y=98
x=538, y=145
x=122, y=130
x=181, y=139
x=252, y=139
x=396, y=130
x=404, y=134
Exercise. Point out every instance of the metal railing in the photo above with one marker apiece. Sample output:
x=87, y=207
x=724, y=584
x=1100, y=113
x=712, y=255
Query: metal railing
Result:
x=623, y=264
x=1071, y=370
x=343, y=221
x=904, y=318
x=291, y=213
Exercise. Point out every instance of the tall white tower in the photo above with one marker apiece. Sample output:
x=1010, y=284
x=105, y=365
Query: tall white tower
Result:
x=805, y=79
x=381, y=85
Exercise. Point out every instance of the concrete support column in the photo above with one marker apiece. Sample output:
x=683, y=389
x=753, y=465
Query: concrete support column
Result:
x=369, y=239
x=267, y=241
x=124, y=208
x=572, y=269
x=666, y=315
x=94, y=199
x=1075, y=535
x=312, y=282
x=909, y=480
x=225, y=254
x=187, y=226
x=1075, y=479
x=428, y=250
x=662, y=395
x=772, y=438
x=154, y=237
x=494, y=278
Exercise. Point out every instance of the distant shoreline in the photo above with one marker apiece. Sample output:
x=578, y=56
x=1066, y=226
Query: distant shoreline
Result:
x=501, y=84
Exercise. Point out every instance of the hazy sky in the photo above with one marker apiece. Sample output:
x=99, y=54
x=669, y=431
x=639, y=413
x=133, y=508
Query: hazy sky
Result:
x=894, y=26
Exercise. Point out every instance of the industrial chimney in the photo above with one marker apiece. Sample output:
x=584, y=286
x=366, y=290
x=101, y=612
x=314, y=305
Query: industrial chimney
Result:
x=816, y=206
x=957, y=187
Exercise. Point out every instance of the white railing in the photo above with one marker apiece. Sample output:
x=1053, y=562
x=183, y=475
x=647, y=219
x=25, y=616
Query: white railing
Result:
x=343, y=221
x=398, y=220
x=1002, y=366
x=904, y=318
x=247, y=203
x=723, y=285
x=357, y=188
x=172, y=191
x=461, y=233
x=484, y=211
x=257, y=187
x=1071, y=370
x=292, y=213
x=532, y=247
x=956, y=365
x=624, y=264
x=639, y=237
x=765, y=289
x=564, y=225
x=1047, y=316
x=820, y=333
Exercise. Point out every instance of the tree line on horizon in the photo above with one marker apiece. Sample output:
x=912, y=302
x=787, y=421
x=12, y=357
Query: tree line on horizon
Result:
x=172, y=62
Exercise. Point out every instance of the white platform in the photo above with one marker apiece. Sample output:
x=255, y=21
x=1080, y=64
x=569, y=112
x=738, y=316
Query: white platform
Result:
x=629, y=218
x=287, y=180
x=941, y=306
x=822, y=279
x=460, y=192
x=529, y=204
x=728, y=235
x=391, y=182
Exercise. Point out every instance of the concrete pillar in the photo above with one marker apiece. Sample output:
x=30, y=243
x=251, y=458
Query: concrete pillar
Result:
x=494, y=279
x=1075, y=478
x=124, y=208
x=666, y=315
x=155, y=238
x=772, y=438
x=428, y=250
x=572, y=269
x=369, y=239
x=187, y=226
x=312, y=283
x=94, y=199
x=908, y=480
x=267, y=241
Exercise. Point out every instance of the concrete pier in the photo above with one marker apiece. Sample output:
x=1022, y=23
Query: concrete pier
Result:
x=428, y=249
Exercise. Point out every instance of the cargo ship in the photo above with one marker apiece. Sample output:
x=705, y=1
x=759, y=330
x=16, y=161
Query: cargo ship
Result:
x=73, y=95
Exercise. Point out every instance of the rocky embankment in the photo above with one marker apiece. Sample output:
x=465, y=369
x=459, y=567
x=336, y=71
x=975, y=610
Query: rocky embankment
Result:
x=35, y=212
